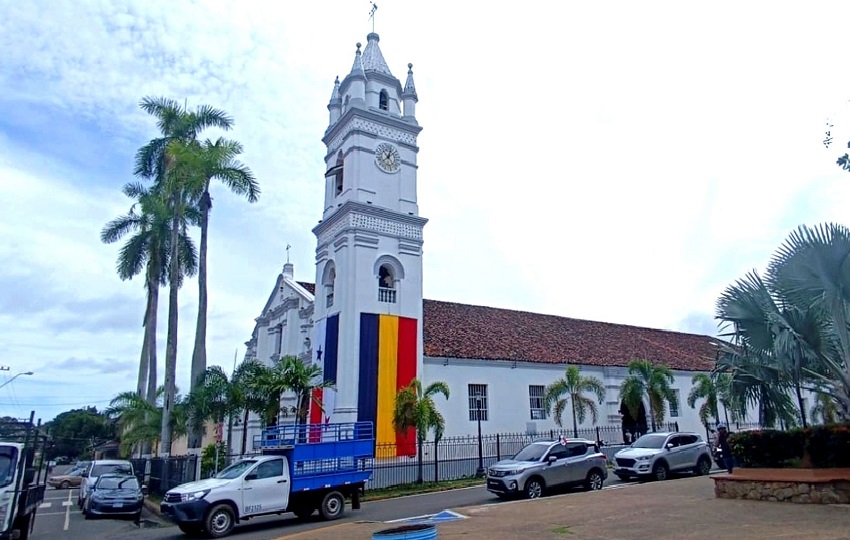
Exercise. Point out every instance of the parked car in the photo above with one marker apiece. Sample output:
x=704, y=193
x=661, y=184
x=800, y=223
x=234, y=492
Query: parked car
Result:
x=655, y=455
x=545, y=464
x=115, y=495
x=70, y=479
x=95, y=470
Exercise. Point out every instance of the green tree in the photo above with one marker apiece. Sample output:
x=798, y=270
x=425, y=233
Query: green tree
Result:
x=160, y=160
x=571, y=389
x=217, y=398
x=289, y=374
x=705, y=388
x=140, y=421
x=769, y=336
x=247, y=379
x=213, y=161
x=824, y=409
x=415, y=408
x=650, y=381
x=148, y=249
x=73, y=432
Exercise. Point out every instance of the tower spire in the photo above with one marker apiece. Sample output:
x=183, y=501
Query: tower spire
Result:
x=372, y=15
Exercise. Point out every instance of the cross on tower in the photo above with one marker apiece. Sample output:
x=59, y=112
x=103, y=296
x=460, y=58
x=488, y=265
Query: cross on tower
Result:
x=372, y=14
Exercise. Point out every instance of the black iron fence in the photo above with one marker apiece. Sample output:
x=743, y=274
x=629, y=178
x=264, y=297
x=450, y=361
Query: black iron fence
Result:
x=450, y=458
x=162, y=474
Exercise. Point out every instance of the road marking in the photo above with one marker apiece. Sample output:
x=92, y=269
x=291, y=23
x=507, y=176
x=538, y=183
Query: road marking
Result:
x=440, y=517
x=67, y=505
x=44, y=505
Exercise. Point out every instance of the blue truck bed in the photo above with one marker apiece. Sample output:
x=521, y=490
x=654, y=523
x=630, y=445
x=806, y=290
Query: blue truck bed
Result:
x=323, y=455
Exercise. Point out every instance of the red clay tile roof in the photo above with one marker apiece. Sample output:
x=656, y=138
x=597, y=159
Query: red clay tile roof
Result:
x=462, y=331
x=454, y=330
x=311, y=287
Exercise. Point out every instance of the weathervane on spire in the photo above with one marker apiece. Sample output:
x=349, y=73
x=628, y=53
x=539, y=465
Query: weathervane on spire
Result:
x=372, y=14
x=287, y=253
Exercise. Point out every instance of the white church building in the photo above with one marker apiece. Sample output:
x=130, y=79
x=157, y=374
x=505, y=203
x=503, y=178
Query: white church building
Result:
x=363, y=317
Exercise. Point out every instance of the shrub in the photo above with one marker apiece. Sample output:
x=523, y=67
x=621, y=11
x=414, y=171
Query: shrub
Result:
x=829, y=446
x=208, y=461
x=767, y=448
x=824, y=446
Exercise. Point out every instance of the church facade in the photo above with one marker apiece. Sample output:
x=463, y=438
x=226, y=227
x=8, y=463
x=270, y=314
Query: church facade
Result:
x=363, y=317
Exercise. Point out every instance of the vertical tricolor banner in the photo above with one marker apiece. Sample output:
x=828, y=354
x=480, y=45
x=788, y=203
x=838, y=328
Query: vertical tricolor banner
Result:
x=387, y=364
x=325, y=355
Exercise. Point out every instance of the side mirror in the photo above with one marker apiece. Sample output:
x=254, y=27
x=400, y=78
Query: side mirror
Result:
x=668, y=446
x=84, y=474
x=145, y=490
x=252, y=476
x=552, y=459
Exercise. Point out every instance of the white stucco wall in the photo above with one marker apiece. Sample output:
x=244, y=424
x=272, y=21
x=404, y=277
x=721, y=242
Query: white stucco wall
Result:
x=508, y=395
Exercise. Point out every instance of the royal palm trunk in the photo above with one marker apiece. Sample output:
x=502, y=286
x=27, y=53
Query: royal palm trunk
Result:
x=199, y=353
x=171, y=340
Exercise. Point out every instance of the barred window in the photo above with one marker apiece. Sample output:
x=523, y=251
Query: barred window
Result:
x=478, y=402
x=674, y=411
x=535, y=399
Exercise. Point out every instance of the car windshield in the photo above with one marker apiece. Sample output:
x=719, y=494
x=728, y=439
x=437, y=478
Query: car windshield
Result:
x=108, y=482
x=236, y=470
x=650, y=441
x=532, y=452
x=106, y=468
x=74, y=472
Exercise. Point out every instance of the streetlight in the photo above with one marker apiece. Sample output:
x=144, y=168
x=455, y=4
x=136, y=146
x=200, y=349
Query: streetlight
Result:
x=15, y=377
x=480, y=471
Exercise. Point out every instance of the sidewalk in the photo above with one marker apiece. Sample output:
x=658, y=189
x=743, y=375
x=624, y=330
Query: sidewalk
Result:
x=677, y=509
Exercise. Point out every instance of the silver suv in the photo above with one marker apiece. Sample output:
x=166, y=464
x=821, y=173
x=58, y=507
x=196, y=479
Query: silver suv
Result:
x=655, y=455
x=545, y=464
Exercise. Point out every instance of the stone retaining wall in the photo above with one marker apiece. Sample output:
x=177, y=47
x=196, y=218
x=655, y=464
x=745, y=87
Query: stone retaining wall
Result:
x=787, y=491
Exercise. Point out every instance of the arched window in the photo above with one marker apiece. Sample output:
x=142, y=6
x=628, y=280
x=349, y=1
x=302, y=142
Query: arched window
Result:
x=328, y=281
x=345, y=104
x=386, y=284
x=384, y=101
x=338, y=176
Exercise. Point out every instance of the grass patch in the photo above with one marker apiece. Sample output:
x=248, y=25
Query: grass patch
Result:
x=415, y=489
x=561, y=529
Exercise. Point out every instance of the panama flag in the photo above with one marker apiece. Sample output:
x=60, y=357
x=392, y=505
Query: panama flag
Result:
x=325, y=356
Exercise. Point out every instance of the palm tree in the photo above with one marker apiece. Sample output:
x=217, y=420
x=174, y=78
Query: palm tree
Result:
x=572, y=388
x=140, y=421
x=248, y=380
x=149, y=249
x=810, y=270
x=216, y=398
x=825, y=409
x=705, y=388
x=212, y=161
x=289, y=374
x=646, y=380
x=415, y=408
x=159, y=160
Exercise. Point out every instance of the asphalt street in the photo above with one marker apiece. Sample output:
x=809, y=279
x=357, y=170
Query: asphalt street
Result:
x=59, y=520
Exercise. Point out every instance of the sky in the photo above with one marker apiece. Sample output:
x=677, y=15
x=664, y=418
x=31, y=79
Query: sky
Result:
x=616, y=161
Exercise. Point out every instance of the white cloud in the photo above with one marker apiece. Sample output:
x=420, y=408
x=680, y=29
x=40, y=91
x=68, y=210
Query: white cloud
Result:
x=619, y=162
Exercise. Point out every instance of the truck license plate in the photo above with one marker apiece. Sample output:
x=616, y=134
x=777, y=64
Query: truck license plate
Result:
x=117, y=505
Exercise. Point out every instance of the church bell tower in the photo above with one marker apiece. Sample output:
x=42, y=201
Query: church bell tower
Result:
x=368, y=300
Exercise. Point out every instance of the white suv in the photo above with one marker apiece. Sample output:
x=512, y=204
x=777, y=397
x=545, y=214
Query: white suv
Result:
x=655, y=455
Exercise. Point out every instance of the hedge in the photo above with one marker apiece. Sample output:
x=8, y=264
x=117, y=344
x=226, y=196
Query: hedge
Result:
x=824, y=446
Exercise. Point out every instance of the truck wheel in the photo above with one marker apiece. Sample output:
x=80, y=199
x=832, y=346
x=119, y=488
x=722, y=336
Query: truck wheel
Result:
x=703, y=466
x=220, y=521
x=333, y=505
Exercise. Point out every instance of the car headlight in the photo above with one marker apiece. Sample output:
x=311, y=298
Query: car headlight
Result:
x=643, y=458
x=193, y=496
